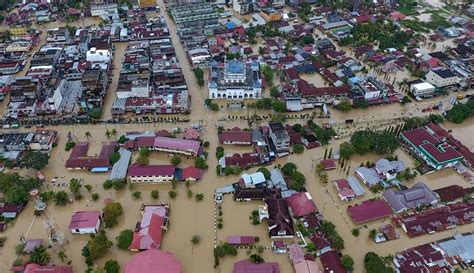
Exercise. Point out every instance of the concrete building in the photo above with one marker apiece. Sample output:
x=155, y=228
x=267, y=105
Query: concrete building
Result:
x=280, y=137
x=422, y=90
x=241, y=6
x=442, y=77
x=236, y=80
x=435, y=152
x=151, y=173
x=85, y=222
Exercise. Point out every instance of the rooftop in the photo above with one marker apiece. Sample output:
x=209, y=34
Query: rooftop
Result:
x=369, y=210
x=84, y=219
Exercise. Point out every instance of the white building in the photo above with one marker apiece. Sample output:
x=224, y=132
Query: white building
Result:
x=241, y=6
x=85, y=222
x=252, y=180
x=422, y=90
x=442, y=77
x=19, y=46
x=151, y=173
x=199, y=57
x=280, y=137
x=235, y=81
x=101, y=57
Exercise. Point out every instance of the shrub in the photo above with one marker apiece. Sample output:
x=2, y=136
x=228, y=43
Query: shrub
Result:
x=70, y=145
x=155, y=194
x=172, y=194
x=137, y=195
x=206, y=144
x=199, y=197
x=355, y=232
x=95, y=196
x=88, y=187
x=196, y=239
x=298, y=148
x=111, y=212
x=124, y=239
x=220, y=225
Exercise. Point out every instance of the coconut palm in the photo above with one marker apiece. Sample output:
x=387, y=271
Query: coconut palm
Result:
x=107, y=134
x=88, y=135
x=62, y=256
x=114, y=132
x=40, y=256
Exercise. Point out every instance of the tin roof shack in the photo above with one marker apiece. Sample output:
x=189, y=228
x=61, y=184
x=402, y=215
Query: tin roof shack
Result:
x=423, y=258
x=149, y=231
x=94, y=88
x=436, y=219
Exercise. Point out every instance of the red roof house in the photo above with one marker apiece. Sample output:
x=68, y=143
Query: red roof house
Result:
x=301, y=204
x=246, y=266
x=85, y=222
x=236, y=137
x=78, y=159
x=151, y=173
x=332, y=262
x=369, y=210
x=328, y=164
x=192, y=173
x=35, y=268
x=149, y=230
x=241, y=240
x=153, y=261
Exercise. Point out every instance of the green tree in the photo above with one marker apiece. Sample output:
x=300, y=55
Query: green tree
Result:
x=200, y=163
x=279, y=106
x=196, y=239
x=175, y=160
x=16, y=195
x=114, y=158
x=288, y=169
x=40, y=256
x=268, y=74
x=35, y=159
x=274, y=92
x=98, y=245
x=124, y=239
x=111, y=213
x=265, y=172
x=346, y=150
x=112, y=266
x=87, y=134
x=60, y=198
x=374, y=264
x=298, y=148
x=155, y=194
x=62, y=256
x=347, y=262
x=74, y=185
x=136, y=195
x=70, y=145
x=95, y=196
x=298, y=180
x=219, y=152
x=172, y=194
x=355, y=232
x=199, y=197
x=308, y=39
x=344, y=106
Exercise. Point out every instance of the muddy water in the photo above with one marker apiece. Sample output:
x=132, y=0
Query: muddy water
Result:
x=190, y=218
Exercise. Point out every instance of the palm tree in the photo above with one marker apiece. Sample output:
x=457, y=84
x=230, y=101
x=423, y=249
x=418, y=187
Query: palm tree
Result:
x=62, y=256
x=107, y=134
x=40, y=256
x=114, y=132
x=88, y=135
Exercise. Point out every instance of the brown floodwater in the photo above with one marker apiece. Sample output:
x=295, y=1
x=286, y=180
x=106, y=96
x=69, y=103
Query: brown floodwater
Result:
x=188, y=217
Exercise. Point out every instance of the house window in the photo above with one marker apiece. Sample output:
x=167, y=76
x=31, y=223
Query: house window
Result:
x=77, y=230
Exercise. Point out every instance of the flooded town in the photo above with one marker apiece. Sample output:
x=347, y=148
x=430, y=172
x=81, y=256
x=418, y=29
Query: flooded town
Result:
x=170, y=136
